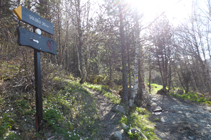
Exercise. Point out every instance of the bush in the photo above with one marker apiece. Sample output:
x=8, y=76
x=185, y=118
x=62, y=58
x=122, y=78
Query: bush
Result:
x=193, y=96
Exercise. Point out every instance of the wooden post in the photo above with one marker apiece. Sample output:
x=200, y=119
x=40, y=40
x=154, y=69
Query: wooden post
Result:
x=38, y=89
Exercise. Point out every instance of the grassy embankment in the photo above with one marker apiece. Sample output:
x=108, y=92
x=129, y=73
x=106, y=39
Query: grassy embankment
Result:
x=193, y=96
x=69, y=110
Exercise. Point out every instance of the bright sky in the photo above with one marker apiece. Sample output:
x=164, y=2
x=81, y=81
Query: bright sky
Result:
x=176, y=10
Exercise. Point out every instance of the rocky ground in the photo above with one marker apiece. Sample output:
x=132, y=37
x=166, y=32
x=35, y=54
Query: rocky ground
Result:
x=175, y=119
x=180, y=120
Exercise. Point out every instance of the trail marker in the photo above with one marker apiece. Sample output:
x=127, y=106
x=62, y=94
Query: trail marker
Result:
x=33, y=19
x=38, y=43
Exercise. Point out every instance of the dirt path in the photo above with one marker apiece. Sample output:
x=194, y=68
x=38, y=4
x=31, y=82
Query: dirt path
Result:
x=180, y=120
x=109, y=120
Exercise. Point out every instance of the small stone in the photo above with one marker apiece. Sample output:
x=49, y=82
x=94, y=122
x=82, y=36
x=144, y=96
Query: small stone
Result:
x=51, y=138
x=117, y=135
x=162, y=120
x=153, y=104
x=188, y=115
x=134, y=130
x=157, y=113
x=191, y=138
x=154, y=99
x=124, y=126
x=158, y=108
x=119, y=108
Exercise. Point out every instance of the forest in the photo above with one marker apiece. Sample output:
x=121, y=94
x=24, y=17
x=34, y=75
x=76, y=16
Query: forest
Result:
x=103, y=45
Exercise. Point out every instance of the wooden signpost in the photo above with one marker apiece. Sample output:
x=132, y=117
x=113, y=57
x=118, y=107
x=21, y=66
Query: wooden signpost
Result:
x=38, y=43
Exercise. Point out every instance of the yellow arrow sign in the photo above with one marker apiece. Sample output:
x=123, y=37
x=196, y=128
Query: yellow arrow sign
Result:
x=18, y=12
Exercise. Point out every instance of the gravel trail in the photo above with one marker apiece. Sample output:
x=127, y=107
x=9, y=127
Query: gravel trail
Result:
x=179, y=119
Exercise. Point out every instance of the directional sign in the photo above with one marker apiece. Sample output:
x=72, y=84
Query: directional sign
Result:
x=38, y=42
x=34, y=19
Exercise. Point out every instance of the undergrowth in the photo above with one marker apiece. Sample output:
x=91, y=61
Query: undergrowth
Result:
x=155, y=88
x=193, y=96
x=139, y=119
x=69, y=112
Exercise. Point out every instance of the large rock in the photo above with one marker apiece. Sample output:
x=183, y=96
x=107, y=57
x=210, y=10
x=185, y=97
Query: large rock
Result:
x=119, y=108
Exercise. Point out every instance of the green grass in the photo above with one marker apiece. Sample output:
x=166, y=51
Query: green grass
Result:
x=73, y=108
x=155, y=88
x=69, y=111
x=193, y=96
x=140, y=119
x=105, y=91
x=99, y=88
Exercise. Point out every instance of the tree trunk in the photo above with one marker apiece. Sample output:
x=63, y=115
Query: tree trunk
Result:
x=136, y=67
x=124, y=68
x=83, y=72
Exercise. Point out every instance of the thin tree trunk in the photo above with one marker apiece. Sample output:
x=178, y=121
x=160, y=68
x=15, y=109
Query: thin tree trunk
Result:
x=150, y=73
x=169, y=77
x=141, y=69
x=110, y=70
x=78, y=56
x=128, y=56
